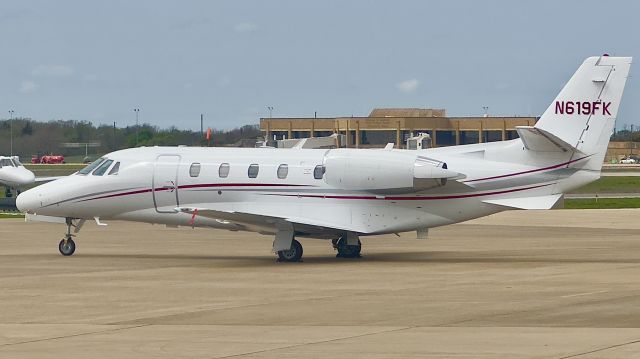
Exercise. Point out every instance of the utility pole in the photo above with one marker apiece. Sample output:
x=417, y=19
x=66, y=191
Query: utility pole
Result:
x=11, y=129
x=201, y=127
x=137, y=111
x=631, y=143
x=486, y=111
x=115, y=142
x=270, y=111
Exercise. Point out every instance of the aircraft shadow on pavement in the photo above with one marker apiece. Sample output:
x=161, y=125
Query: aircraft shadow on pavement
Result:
x=437, y=257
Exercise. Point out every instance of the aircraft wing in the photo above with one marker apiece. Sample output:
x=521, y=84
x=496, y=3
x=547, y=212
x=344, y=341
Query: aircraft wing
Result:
x=259, y=215
x=48, y=179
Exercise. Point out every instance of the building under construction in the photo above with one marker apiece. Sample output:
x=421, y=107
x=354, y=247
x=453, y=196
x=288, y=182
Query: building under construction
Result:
x=383, y=126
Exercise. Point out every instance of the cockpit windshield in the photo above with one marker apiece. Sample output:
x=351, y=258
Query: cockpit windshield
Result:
x=91, y=166
x=102, y=168
x=6, y=162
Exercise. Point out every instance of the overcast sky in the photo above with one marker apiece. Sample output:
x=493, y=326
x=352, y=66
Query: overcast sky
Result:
x=98, y=60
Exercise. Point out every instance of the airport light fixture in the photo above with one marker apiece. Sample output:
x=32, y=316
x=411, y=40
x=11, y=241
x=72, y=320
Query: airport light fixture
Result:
x=11, y=130
x=270, y=111
x=137, y=111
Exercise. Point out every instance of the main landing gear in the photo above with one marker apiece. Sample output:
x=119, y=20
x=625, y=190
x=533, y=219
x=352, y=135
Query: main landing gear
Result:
x=67, y=246
x=347, y=247
x=293, y=254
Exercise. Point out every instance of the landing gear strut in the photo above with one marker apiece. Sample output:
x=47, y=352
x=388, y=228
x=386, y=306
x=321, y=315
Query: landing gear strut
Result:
x=293, y=254
x=67, y=246
x=346, y=250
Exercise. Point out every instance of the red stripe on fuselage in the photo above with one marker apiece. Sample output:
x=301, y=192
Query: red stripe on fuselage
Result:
x=201, y=185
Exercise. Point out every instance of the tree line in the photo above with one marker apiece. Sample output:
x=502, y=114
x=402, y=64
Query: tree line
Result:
x=37, y=138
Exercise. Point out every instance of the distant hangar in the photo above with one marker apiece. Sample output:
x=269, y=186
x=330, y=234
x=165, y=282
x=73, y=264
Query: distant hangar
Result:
x=385, y=125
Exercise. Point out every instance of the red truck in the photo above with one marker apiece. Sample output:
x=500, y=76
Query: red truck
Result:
x=48, y=159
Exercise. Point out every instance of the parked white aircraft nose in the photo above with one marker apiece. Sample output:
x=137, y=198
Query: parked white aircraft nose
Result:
x=17, y=176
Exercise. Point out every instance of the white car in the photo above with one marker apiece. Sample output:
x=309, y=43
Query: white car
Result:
x=627, y=161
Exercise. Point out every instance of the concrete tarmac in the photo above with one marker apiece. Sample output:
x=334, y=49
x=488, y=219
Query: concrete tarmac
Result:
x=554, y=284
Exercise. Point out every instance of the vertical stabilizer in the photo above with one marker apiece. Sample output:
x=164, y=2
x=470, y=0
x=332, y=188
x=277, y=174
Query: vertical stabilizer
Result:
x=584, y=112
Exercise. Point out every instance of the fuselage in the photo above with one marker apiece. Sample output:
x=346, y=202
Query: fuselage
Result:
x=151, y=185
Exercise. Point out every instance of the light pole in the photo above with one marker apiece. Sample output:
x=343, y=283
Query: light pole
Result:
x=486, y=111
x=270, y=111
x=11, y=130
x=137, y=111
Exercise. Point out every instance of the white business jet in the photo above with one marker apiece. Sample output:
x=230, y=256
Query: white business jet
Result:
x=13, y=174
x=344, y=194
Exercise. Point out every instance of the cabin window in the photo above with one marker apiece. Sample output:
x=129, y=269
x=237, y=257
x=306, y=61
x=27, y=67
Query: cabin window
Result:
x=102, y=168
x=114, y=170
x=283, y=171
x=91, y=166
x=253, y=170
x=223, y=171
x=194, y=170
x=318, y=172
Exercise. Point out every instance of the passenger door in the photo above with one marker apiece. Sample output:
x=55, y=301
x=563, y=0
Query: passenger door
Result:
x=165, y=183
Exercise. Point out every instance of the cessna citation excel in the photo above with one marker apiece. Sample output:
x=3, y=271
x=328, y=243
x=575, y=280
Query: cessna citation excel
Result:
x=344, y=194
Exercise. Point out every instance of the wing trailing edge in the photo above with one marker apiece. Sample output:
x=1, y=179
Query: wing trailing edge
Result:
x=537, y=202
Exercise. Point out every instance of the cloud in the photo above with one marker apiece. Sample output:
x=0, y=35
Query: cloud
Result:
x=245, y=27
x=28, y=87
x=408, y=86
x=52, y=70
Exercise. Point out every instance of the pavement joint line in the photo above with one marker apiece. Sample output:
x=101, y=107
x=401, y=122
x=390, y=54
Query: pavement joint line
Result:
x=317, y=342
x=534, y=309
x=124, y=322
x=73, y=335
x=600, y=349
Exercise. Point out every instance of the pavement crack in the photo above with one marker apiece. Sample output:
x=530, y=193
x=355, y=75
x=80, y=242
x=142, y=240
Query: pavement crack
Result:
x=73, y=335
x=316, y=342
x=600, y=349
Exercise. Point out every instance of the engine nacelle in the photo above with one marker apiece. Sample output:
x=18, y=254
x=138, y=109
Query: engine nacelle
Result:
x=384, y=171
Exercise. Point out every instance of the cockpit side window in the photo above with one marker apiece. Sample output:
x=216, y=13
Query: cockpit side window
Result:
x=91, y=166
x=102, y=168
x=114, y=170
x=6, y=162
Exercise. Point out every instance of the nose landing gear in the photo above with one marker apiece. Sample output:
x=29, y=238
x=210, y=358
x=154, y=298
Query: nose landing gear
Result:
x=67, y=246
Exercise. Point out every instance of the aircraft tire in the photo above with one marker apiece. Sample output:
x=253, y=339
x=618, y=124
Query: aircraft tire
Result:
x=294, y=254
x=68, y=248
x=348, y=251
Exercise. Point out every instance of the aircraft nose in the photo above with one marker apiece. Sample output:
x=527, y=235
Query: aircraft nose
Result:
x=28, y=201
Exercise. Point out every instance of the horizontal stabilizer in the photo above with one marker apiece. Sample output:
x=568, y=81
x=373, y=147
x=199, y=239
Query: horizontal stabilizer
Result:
x=538, y=202
x=536, y=139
